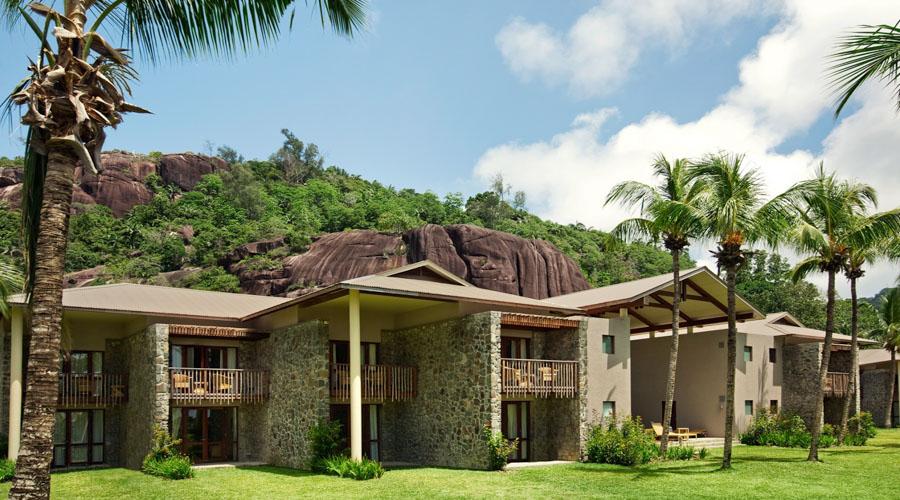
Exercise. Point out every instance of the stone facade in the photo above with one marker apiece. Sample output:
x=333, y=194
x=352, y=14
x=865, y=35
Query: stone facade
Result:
x=276, y=432
x=144, y=356
x=800, y=380
x=875, y=385
x=558, y=426
x=458, y=364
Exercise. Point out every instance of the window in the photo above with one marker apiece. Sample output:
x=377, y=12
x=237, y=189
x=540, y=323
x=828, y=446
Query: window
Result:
x=748, y=407
x=609, y=344
x=78, y=438
x=773, y=406
x=748, y=353
x=773, y=355
x=609, y=409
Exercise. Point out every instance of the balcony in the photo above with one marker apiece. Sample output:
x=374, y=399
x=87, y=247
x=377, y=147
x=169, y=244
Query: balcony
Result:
x=836, y=384
x=539, y=377
x=80, y=390
x=379, y=382
x=217, y=386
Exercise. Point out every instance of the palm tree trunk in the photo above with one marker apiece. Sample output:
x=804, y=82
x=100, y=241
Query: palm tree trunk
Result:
x=823, y=372
x=889, y=400
x=730, y=277
x=32, y=478
x=673, y=354
x=854, y=356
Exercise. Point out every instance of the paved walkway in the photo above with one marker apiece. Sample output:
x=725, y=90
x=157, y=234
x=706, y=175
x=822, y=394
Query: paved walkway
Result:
x=223, y=465
x=523, y=465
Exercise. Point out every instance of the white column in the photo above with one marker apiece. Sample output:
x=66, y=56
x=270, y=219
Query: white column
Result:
x=355, y=379
x=15, y=383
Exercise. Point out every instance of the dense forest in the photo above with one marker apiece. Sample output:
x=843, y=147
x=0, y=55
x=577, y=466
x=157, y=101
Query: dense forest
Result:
x=292, y=194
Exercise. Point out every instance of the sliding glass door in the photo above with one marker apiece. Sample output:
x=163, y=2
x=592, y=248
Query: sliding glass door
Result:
x=207, y=434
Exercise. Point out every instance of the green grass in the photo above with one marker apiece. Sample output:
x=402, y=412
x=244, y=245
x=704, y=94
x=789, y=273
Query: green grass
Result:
x=867, y=472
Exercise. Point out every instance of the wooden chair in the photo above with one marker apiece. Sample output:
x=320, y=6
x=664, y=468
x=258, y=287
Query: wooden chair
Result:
x=181, y=382
x=222, y=382
x=548, y=374
x=673, y=434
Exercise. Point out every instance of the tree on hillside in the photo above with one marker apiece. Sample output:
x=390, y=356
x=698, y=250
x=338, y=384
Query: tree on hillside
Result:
x=731, y=212
x=889, y=335
x=73, y=92
x=828, y=221
x=864, y=54
x=671, y=213
x=299, y=162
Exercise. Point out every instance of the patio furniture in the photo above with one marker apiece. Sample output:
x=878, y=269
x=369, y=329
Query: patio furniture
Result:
x=548, y=373
x=673, y=434
x=222, y=382
x=181, y=381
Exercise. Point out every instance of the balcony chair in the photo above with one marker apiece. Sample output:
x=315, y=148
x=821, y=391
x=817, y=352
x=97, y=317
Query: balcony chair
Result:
x=181, y=382
x=222, y=382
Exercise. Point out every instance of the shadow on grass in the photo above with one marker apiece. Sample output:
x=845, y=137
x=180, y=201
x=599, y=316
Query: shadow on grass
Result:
x=280, y=471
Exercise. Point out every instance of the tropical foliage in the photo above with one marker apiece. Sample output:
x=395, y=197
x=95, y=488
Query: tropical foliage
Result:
x=866, y=53
x=671, y=213
x=888, y=333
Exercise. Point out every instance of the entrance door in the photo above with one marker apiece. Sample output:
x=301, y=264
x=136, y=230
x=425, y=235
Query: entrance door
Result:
x=78, y=438
x=207, y=434
x=371, y=428
x=515, y=422
x=515, y=347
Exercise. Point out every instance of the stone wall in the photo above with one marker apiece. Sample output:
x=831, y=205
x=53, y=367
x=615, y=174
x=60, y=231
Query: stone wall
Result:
x=297, y=357
x=800, y=380
x=144, y=356
x=557, y=424
x=458, y=365
x=874, y=386
x=253, y=418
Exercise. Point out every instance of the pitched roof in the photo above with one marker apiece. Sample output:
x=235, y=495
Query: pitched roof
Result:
x=162, y=301
x=410, y=287
x=873, y=356
x=774, y=325
x=425, y=270
x=648, y=300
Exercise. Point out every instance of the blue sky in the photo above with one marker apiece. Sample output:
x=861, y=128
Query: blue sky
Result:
x=562, y=98
x=413, y=102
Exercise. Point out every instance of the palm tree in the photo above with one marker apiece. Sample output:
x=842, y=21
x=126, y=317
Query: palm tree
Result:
x=74, y=91
x=889, y=335
x=10, y=282
x=731, y=214
x=669, y=212
x=827, y=225
x=867, y=52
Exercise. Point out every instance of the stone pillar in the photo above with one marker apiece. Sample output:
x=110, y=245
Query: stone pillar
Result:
x=355, y=379
x=145, y=357
x=15, y=382
x=800, y=386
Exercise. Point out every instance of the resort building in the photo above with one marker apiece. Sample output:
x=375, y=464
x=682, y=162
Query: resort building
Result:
x=875, y=385
x=414, y=362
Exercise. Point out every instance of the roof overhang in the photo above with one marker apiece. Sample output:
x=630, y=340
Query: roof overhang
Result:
x=703, y=299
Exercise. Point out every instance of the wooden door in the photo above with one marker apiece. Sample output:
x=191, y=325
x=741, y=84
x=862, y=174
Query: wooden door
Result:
x=515, y=420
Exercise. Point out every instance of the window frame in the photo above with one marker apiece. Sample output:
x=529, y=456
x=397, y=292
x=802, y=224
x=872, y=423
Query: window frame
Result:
x=748, y=405
x=603, y=409
x=68, y=445
x=612, y=344
x=773, y=355
x=748, y=353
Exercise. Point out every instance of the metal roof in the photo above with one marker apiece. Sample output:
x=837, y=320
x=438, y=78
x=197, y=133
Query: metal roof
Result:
x=162, y=301
x=648, y=301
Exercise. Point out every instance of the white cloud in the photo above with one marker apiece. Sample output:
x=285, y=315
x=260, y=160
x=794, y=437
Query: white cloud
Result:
x=782, y=92
x=601, y=47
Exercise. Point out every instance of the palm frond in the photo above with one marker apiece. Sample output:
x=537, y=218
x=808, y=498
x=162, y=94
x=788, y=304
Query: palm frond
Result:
x=32, y=196
x=10, y=283
x=804, y=268
x=346, y=17
x=865, y=53
x=636, y=229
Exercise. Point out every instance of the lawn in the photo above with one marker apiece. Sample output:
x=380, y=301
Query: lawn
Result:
x=868, y=472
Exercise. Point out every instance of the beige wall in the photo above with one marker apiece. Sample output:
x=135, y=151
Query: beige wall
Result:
x=609, y=375
x=700, y=379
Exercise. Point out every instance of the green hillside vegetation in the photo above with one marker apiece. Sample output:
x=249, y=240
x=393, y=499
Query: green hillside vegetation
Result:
x=293, y=195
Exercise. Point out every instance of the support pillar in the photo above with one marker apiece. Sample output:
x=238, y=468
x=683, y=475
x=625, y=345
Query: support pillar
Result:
x=15, y=382
x=355, y=379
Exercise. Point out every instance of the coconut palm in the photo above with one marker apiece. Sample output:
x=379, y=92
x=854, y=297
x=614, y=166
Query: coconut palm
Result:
x=10, y=282
x=76, y=88
x=732, y=218
x=827, y=226
x=889, y=335
x=670, y=213
x=866, y=53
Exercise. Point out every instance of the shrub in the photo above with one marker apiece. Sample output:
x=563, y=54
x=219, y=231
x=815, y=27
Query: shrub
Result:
x=620, y=441
x=499, y=448
x=789, y=431
x=7, y=470
x=860, y=428
x=325, y=443
x=177, y=467
x=703, y=453
x=164, y=458
x=680, y=452
x=361, y=470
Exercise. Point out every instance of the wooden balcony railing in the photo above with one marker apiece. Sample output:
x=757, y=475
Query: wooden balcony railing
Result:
x=92, y=389
x=379, y=382
x=836, y=384
x=539, y=377
x=218, y=385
